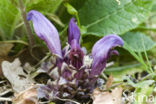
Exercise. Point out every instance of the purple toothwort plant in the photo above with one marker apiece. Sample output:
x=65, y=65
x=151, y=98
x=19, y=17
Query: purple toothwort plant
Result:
x=73, y=74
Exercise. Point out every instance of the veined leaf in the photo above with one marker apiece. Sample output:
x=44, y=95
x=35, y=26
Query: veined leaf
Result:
x=138, y=41
x=102, y=17
x=49, y=6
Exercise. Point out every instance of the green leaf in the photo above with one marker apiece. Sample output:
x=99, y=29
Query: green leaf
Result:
x=119, y=72
x=138, y=41
x=88, y=41
x=49, y=6
x=142, y=94
x=144, y=83
x=102, y=17
x=9, y=16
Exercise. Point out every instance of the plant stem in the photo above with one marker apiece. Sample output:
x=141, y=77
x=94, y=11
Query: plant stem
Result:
x=79, y=25
x=78, y=20
x=64, y=30
x=104, y=76
x=5, y=99
x=43, y=59
x=15, y=41
x=146, y=55
x=137, y=57
x=28, y=29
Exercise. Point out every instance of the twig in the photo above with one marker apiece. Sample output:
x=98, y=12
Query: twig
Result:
x=5, y=92
x=109, y=64
x=46, y=102
x=68, y=100
x=2, y=81
x=5, y=99
x=28, y=29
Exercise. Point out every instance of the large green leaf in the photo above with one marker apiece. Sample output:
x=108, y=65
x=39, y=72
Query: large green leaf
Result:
x=8, y=18
x=44, y=5
x=103, y=17
x=138, y=42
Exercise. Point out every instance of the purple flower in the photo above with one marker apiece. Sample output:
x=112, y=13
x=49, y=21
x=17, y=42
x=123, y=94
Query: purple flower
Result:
x=73, y=31
x=102, y=50
x=73, y=77
x=76, y=54
x=45, y=31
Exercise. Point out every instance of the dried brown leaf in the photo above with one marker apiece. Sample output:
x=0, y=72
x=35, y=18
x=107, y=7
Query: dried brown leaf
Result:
x=109, y=81
x=113, y=97
x=5, y=49
x=28, y=96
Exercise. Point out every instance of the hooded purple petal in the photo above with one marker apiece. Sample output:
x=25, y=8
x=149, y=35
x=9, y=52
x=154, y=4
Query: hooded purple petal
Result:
x=76, y=54
x=101, y=51
x=73, y=31
x=45, y=31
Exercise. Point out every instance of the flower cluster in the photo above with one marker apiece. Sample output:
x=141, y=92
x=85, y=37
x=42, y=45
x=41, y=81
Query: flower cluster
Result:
x=74, y=74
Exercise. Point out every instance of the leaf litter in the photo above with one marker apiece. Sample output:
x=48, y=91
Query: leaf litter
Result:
x=113, y=92
x=20, y=82
x=16, y=75
x=23, y=86
x=108, y=97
